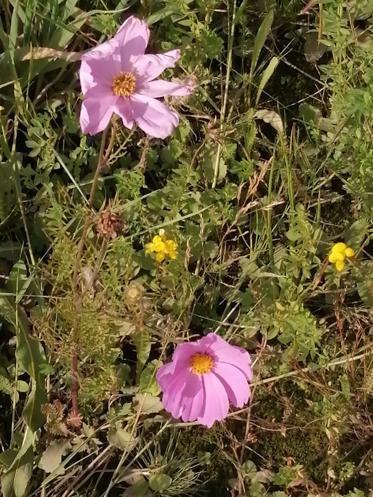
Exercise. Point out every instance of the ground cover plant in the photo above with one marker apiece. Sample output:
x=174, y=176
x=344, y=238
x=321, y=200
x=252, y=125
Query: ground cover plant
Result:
x=186, y=264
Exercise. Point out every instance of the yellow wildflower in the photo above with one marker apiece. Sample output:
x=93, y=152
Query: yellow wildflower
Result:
x=162, y=247
x=340, y=251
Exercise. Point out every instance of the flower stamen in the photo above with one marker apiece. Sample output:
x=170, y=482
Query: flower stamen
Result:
x=201, y=363
x=124, y=85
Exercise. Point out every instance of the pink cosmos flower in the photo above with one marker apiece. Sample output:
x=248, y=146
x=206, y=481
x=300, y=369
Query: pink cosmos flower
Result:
x=118, y=77
x=203, y=378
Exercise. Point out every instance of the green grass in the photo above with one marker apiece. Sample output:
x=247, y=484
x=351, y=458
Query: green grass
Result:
x=270, y=166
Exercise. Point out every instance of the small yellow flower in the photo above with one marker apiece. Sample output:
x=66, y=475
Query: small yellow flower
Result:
x=161, y=247
x=171, y=247
x=340, y=251
x=349, y=252
x=340, y=265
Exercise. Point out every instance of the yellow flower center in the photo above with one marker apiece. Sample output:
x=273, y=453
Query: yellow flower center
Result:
x=201, y=363
x=124, y=85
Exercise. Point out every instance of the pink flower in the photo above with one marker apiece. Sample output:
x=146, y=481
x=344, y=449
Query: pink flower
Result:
x=203, y=378
x=118, y=77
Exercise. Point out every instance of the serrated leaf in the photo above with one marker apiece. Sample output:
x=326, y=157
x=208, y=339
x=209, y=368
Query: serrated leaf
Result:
x=160, y=482
x=5, y=384
x=52, y=456
x=147, y=404
x=121, y=439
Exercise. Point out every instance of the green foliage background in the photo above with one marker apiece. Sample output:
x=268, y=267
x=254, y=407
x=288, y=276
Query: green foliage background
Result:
x=272, y=164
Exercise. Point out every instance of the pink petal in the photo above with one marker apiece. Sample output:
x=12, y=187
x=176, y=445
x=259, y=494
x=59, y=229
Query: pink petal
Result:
x=96, y=112
x=149, y=66
x=102, y=50
x=229, y=354
x=173, y=393
x=234, y=382
x=132, y=37
x=184, y=351
x=216, y=401
x=193, y=399
x=98, y=71
x=160, y=88
x=124, y=110
x=164, y=374
x=180, y=361
x=153, y=116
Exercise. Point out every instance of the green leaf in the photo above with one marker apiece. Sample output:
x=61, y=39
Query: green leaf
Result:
x=32, y=411
x=5, y=383
x=31, y=358
x=267, y=74
x=13, y=33
x=162, y=14
x=147, y=404
x=14, y=483
x=18, y=282
x=52, y=456
x=22, y=477
x=121, y=439
x=148, y=382
x=138, y=489
x=313, y=49
x=7, y=481
x=160, y=482
x=143, y=345
x=309, y=113
x=357, y=232
x=209, y=163
x=22, y=386
x=260, y=39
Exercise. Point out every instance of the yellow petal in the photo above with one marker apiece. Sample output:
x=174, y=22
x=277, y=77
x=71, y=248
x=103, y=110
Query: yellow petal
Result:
x=160, y=257
x=349, y=252
x=332, y=257
x=339, y=247
x=157, y=239
x=170, y=246
x=172, y=255
x=159, y=247
x=339, y=265
x=336, y=256
x=149, y=247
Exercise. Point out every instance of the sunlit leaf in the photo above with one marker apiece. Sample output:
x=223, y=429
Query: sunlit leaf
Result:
x=271, y=117
x=52, y=456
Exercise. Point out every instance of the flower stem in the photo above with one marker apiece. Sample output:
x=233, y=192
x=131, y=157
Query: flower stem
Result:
x=74, y=416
